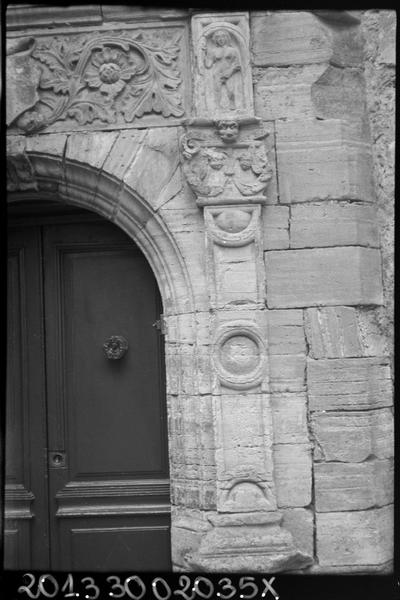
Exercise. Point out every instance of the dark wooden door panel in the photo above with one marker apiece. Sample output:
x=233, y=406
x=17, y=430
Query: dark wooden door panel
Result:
x=136, y=543
x=12, y=545
x=26, y=512
x=109, y=414
x=91, y=491
x=16, y=329
x=96, y=288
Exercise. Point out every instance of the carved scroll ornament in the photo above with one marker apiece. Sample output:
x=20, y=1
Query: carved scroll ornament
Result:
x=107, y=79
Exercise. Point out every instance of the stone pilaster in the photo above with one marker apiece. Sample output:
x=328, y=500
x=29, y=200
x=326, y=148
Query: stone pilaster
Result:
x=226, y=164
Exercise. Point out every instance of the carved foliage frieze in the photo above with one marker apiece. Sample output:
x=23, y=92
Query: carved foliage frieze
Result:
x=222, y=66
x=106, y=79
x=223, y=164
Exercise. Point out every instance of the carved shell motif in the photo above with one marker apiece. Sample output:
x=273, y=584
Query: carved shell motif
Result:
x=233, y=220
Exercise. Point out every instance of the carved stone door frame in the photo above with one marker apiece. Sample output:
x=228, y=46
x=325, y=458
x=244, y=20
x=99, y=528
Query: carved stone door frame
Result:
x=40, y=175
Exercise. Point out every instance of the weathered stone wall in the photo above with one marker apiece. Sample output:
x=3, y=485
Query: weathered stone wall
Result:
x=379, y=32
x=300, y=441
x=324, y=87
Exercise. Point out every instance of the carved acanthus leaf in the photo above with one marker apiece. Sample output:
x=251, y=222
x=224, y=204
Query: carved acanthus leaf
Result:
x=161, y=97
x=108, y=78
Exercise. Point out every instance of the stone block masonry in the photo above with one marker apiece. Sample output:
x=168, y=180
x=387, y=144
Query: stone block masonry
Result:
x=322, y=253
x=322, y=160
x=343, y=331
x=349, y=384
x=379, y=32
x=317, y=225
x=323, y=276
x=343, y=486
x=355, y=538
x=353, y=436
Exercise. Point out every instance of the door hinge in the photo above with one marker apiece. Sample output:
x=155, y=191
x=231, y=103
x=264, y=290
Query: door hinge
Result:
x=160, y=324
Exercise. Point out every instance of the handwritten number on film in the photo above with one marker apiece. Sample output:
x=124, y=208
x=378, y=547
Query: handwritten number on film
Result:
x=49, y=588
x=133, y=587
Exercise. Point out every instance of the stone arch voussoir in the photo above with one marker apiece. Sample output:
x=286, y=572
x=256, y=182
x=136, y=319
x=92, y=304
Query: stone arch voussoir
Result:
x=36, y=175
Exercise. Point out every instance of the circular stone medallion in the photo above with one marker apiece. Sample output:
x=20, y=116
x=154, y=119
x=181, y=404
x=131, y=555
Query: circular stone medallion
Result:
x=239, y=355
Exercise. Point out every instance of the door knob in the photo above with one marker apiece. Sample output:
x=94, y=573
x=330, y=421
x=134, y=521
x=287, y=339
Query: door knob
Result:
x=57, y=459
x=115, y=347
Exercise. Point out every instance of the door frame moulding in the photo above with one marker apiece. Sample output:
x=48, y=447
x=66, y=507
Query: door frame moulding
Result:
x=34, y=177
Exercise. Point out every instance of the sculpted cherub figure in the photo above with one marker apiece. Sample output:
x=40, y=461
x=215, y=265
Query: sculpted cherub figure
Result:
x=203, y=168
x=254, y=173
x=216, y=176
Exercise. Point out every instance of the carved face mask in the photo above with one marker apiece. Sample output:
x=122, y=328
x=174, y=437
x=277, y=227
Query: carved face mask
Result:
x=220, y=38
x=216, y=161
x=228, y=130
x=245, y=161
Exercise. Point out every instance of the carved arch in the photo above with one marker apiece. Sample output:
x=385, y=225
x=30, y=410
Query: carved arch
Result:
x=34, y=176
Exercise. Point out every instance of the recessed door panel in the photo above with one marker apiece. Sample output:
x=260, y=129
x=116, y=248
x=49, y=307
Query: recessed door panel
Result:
x=15, y=392
x=113, y=409
x=142, y=543
x=26, y=518
x=106, y=442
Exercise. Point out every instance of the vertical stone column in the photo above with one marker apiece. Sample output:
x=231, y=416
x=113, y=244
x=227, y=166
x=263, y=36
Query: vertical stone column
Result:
x=225, y=161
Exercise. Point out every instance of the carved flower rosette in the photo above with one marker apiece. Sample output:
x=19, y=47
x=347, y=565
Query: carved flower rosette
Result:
x=106, y=80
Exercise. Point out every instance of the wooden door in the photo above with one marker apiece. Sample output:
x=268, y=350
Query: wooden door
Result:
x=105, y=505
x=26, y=535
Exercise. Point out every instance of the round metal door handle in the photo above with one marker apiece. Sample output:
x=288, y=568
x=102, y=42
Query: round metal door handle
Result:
x=115, y=347
x=57, y=459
